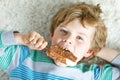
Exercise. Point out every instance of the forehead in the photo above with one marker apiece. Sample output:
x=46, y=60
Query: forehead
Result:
x=77, y=27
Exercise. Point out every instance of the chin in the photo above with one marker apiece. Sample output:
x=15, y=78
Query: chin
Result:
x=68, y=63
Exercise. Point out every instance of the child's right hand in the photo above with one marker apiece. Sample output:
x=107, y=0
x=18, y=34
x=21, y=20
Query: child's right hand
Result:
x=33, y=40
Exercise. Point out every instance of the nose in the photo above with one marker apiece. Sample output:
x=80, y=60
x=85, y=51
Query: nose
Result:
x=68, y=39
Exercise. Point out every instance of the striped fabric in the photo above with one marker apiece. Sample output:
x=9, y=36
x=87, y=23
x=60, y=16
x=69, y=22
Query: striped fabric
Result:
x=24, y=64
x=96, y=73
x=106, y=72
x=6, y=58
x=26, y=73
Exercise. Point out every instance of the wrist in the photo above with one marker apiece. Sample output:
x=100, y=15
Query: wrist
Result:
x=18, y=38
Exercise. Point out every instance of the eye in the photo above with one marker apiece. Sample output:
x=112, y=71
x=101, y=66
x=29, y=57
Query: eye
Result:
x=63, y=31
x=79, y=38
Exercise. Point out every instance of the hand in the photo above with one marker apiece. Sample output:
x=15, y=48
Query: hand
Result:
x=33, y=40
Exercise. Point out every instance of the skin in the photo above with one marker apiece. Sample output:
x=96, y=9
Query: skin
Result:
x=33, y=40
x=73, y=37
x=104, y=52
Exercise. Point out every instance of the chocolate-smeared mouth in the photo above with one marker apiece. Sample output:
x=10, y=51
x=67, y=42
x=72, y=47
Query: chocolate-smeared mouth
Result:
x=59, y=54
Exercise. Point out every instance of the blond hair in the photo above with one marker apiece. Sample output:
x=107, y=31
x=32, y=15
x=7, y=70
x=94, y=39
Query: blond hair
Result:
x=85, y=13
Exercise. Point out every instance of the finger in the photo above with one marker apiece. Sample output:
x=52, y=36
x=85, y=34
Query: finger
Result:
x=32, y=35
x=39, y=42
x=43, y=45
x=33, y=42
x=37, y=39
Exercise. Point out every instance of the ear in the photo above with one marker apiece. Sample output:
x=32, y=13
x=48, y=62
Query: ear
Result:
x=89, y=53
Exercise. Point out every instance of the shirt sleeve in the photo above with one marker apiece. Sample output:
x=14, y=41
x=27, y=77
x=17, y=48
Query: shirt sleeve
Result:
x=7, y=38
x=11, y=54
x=116, y=61
x=116, y=73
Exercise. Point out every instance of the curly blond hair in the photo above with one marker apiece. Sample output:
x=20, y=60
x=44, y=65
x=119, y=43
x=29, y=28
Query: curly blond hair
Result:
x=85, y=13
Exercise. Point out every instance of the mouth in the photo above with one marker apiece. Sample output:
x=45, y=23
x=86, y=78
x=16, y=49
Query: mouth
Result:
x=65, y=48
x=59, y=53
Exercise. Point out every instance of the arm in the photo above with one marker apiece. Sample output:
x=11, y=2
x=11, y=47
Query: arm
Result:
x=33, y=40
x=115, y=73
x=110, y=55
x=11, y=53
x=8, y=49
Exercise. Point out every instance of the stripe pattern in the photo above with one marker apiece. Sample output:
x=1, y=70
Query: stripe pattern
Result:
x=35, y=65
x=6, y=58
x=25, y=73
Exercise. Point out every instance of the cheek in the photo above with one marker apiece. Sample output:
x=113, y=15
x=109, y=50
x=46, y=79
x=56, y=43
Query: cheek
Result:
x=81, y=50
x=55, y=40
x=79, y=53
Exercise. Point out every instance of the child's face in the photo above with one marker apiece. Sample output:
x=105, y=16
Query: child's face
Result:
x=75, y=38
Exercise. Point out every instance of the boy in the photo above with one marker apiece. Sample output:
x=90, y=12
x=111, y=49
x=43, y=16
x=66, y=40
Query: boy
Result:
x=77, y=28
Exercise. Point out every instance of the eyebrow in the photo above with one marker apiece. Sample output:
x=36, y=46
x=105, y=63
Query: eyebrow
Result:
x=62, y=25
x=83, y=34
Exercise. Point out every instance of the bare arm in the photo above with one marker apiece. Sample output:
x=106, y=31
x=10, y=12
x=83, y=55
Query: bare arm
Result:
x=108, y=54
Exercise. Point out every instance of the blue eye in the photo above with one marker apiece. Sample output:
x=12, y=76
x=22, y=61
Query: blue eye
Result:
x=63, y=31
x=79, y=37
